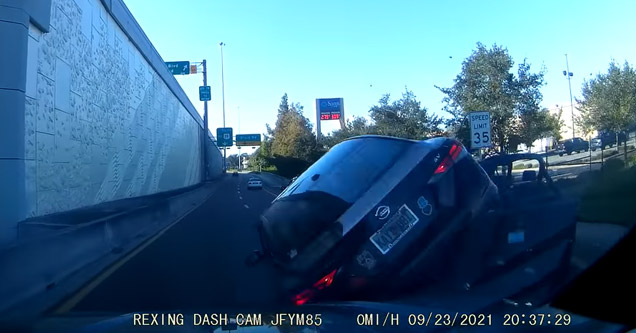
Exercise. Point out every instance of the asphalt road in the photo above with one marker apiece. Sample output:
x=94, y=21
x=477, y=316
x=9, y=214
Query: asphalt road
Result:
x=198, y=263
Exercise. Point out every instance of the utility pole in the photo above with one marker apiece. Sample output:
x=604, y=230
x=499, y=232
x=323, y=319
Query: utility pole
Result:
x=569, y=75
x=205, y=124
x=223, y=95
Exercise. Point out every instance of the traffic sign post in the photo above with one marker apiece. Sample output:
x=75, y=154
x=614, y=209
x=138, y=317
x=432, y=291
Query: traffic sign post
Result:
x=248, y=140
x=204, y=93
x=480, y=129
x=179, y=67
x=224, y=137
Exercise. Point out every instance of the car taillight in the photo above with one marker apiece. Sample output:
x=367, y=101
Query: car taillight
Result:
x=307, y=294
x=453, y=153
x=303, y=297
x=325, y=281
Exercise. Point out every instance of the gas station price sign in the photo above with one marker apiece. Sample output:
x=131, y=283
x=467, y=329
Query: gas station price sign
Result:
x=330, y=108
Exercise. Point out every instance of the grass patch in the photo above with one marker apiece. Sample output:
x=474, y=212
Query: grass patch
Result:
x=611, y=199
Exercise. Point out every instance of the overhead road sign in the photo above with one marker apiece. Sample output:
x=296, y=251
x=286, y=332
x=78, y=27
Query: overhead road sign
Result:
x=248, y=139
x=179, y=67
x=224, y=137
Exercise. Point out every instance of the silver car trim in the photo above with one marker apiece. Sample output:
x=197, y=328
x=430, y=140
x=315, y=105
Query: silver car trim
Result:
x=372, y=197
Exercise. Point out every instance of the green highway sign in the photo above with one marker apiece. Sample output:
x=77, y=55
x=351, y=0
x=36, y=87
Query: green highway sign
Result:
x=204, y=93
x=224, y=137
x=179, y=67
x=248, y=139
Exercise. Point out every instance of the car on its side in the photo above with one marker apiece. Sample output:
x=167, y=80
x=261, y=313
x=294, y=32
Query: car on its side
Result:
x=426, y=214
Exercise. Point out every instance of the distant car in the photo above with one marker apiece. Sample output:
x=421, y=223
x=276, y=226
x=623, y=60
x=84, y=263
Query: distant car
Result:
x=254, y=183
x=235, y=174
x=608, y=139
x=595, y=144
x=572, y=145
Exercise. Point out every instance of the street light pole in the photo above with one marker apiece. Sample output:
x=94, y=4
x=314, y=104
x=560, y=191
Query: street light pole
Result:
x=238, y=130
x=223, y=95
x=569, y=74
x=205, y=123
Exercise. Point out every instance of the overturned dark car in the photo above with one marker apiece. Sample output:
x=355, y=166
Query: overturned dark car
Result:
x=377, y=215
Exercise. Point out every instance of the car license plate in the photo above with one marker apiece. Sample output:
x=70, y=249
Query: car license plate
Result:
x=397, y=226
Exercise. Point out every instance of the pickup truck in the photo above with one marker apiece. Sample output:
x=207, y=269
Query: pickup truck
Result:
x=572, y=145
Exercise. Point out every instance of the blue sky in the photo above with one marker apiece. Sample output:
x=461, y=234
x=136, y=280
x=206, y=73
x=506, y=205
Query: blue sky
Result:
x=359, y=50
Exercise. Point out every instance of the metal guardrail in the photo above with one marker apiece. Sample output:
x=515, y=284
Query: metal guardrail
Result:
x=33, y=268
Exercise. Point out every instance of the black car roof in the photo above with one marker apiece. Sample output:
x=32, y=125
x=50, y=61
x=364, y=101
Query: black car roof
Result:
x=435, y=141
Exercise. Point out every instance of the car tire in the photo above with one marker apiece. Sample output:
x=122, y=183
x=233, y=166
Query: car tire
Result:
x=560, y=154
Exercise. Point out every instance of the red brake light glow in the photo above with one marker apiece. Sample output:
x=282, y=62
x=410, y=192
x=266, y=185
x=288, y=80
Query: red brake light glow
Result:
x=453, y=154
x=303, y=297
x=325, y=281
x=307, y=294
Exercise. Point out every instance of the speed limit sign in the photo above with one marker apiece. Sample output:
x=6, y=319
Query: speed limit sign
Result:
x=480, y=129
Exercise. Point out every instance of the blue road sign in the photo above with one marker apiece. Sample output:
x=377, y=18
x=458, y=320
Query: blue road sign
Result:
x=179, y=67
x=224, y=137
x=248, y=139
x=204, y=93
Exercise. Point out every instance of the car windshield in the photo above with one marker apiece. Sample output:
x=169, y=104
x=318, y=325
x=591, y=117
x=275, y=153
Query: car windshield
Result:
x=204, y=156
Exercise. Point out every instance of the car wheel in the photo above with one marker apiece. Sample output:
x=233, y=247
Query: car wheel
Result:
x=560, y=154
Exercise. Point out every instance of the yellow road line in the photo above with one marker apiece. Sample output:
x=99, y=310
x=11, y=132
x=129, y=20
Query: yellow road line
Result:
x=86, y=289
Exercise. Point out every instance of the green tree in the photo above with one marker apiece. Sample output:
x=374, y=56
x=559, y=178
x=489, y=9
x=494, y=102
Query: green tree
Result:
x=293, y=135
x=536, y=124
x=357, y=126
x=486, y=83
x=403, y=118
x=232, y=161
x=556, y=123
x=609, y=100
x=261, y=157
x=291, y=145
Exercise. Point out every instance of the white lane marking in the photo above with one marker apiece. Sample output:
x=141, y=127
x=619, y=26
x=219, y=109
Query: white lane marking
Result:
x=275, y=195
x=240, y=197
x=246, y=206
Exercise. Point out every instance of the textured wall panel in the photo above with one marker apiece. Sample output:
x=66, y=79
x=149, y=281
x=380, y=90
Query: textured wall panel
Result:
x=102, y=124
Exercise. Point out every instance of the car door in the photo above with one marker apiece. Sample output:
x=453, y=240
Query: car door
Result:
x=534, y=229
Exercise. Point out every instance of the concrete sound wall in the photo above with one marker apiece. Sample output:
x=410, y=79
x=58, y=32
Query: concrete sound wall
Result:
x=90, y=113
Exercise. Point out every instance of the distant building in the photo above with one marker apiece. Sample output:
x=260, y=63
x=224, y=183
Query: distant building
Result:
x=566, y=129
